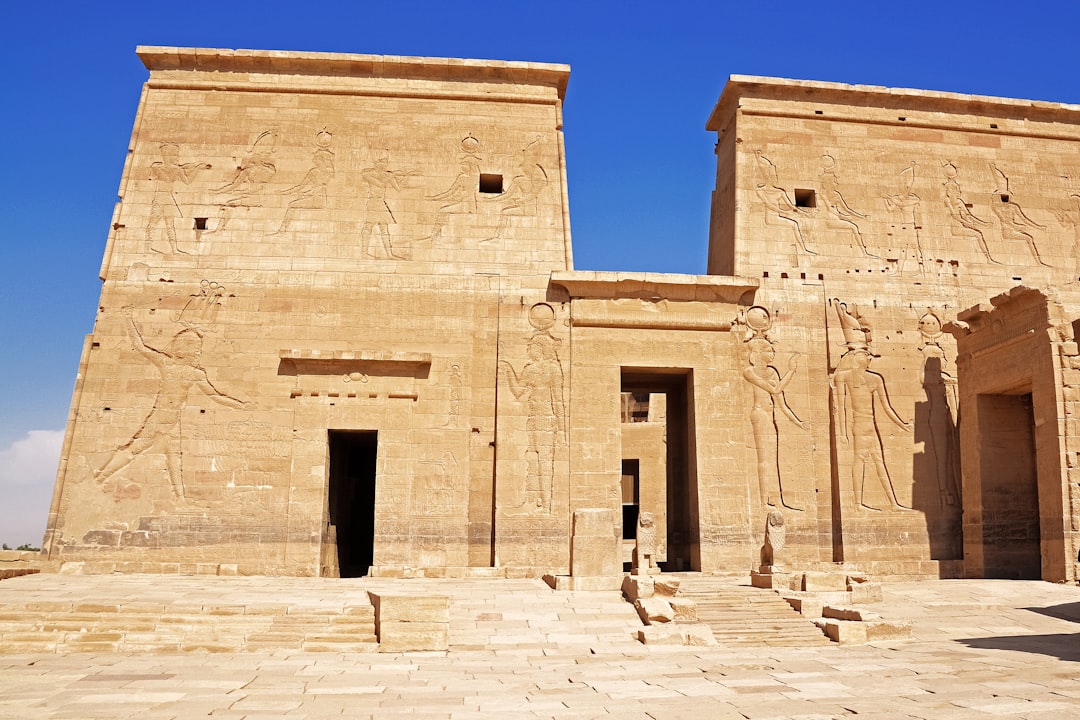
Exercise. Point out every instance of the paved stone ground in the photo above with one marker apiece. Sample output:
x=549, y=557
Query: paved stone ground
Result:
x=982, y=649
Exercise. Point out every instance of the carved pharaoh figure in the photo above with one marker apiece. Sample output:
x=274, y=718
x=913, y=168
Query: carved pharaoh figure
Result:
x=906, y=204
x=859, y=392
x=310, y=194
x=379, y=180
x=181, y=372
x=1015, y=224
x=524, y=187
x=163, y=206
x=255, y=170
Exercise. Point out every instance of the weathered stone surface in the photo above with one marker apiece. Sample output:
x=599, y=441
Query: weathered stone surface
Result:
x=371, y=293
x=654, y=610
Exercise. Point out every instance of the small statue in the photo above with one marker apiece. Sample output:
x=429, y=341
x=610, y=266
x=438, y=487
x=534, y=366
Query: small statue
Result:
x=645, y=548
x=775, y=538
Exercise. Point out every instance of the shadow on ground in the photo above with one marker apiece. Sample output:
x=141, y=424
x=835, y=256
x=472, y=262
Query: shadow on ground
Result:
x=1064, y=646
x=1066, y=611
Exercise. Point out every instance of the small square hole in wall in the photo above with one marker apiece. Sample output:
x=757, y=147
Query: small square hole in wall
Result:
x=490, y=183
x=200, y=223
x=1004, y=198
x=805, y=198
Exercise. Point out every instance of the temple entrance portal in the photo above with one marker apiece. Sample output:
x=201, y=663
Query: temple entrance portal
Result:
x=351, y=503
x=657, y=446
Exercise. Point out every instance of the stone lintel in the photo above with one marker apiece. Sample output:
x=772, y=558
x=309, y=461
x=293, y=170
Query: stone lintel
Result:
x=660, y=286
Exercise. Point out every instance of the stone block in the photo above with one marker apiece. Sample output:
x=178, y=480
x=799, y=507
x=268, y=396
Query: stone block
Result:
x=410, y=608
x=634, y=587
x=654, y=610
x=869, y=592
x=666, y=586
x=824, y=582
x=845, y=613
x=887, y=630
x=845, y=632
x=413, y=636
x=808, y=607
x=685, y=609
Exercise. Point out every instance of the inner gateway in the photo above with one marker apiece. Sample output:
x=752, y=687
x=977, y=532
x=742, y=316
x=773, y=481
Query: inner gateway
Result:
x=659, y=474
x=349, y=544
x=1010, y=497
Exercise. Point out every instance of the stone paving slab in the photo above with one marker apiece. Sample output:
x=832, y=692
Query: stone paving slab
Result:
x=952, y=668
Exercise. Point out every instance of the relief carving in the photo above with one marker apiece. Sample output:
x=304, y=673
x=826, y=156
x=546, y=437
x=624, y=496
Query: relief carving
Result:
x=858, y=393
x=378, y=182
x=780, y=209
x=1070, y=218
x=905, y=203
x=963, y=222
x=201, y=310
x=457, y=392
x=436, y=493
x=540, y=386
x=255, y=170
x=164, y=209
x=460, y=197
x=181, y=372
x=310, y=194
x=1015, y=225
x=768, y=385
x=525, y=187
x=840, y=216
x=941, y=408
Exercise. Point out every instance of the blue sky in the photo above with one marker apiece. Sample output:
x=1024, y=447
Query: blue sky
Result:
x=640, y=163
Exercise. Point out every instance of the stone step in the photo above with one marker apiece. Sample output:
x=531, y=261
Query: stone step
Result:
x=743, y=615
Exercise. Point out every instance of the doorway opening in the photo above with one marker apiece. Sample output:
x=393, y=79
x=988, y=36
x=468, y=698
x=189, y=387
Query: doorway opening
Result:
x=351, y=501
x=659, y=449
x=1009, y=484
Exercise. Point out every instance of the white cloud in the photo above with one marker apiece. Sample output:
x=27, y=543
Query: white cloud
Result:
x=27, y=473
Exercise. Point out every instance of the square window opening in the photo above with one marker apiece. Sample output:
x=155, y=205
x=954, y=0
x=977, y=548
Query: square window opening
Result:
x=491, y=184
x=805, y=198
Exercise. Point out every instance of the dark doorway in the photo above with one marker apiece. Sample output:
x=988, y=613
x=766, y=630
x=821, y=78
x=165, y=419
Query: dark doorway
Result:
x=631, y=492
x=682, y=532
x=1010, y=497
x=352, y=498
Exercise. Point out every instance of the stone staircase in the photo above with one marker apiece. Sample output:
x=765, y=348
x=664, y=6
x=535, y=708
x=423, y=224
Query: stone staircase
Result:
x=741, y=615
x=63, y=614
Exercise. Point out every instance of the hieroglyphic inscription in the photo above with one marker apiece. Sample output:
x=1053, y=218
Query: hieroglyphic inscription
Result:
x=540, y=386
x=435, y=493
x=858, y=392
x=767, y=385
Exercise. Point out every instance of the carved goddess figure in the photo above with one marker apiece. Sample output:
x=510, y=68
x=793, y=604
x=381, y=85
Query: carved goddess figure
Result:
x=840, y=215
x=160, y=431
x=310, y=194
x=768, y=389
x=540, y=385
x=964, y=222
x=779, y=209
x=941, y=408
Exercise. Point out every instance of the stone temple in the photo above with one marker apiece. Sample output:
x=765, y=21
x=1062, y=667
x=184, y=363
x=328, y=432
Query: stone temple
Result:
x=340, y=333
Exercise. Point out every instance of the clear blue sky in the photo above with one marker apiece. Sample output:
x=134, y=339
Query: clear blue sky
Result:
x=644, y=78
